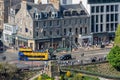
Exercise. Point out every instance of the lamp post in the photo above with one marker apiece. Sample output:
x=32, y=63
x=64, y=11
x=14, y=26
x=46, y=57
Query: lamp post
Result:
x=70, y=34
x=52, y=41
x=71, y=41
x=16, y=42
x=91, y=38
x=63, y=42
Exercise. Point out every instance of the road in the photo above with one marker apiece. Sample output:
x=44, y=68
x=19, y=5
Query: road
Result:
x=99, y=55
x=12, y=57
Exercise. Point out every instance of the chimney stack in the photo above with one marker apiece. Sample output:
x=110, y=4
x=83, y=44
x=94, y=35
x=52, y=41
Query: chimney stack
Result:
x=55, y=3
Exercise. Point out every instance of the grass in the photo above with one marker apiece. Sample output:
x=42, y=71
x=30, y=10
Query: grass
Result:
x=27, y=75
x=103, y=68
x=90, y=78
x=83, y=77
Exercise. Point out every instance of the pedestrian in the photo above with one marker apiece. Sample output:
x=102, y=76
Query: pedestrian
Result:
x=82, y=54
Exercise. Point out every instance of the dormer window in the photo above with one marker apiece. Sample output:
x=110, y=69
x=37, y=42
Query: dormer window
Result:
x=49, y=14
x=82, y=12
x=12, y=11
x=53, y=15
x=33, y=15
x=36, y=16
x=67, y=13
x=44, y=14
x=40, y=16
x=74, y=13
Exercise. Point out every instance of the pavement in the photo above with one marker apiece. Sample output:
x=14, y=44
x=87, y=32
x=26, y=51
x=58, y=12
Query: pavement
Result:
x=92, y=48
x=11, y=50
x=104, y=78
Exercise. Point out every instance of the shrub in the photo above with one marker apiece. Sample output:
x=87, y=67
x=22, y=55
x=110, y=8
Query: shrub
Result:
x=68, y=74
x=117, y=36
x=39, y=78
x=114, y=57
x=78, y=76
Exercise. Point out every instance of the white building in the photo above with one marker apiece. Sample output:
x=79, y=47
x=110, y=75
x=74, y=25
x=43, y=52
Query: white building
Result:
x=8, y=31
x=104, y=19
x=64, y=2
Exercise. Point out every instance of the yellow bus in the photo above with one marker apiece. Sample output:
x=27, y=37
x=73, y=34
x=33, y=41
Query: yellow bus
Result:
x=29, y=55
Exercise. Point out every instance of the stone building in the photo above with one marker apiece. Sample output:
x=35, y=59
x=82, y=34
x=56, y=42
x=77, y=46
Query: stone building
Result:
x=52, y=68
x=4, y=10
x=49, y=25
x=1, y=15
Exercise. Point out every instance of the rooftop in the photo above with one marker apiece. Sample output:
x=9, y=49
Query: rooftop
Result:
x=102, y=1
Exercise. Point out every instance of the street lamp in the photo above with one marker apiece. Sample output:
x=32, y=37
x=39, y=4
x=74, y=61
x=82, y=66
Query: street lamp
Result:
x=63, y=42
x=91, y=38
x=70, y=34
x=52, y=41
x=16, y=42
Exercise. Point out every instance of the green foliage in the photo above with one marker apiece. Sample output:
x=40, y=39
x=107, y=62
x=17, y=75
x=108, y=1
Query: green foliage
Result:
x=78, y=77
x=117, y=36
x=46, y=77
x=39, y=77
x=68, y=74
x=114, y=57
x=7, y=70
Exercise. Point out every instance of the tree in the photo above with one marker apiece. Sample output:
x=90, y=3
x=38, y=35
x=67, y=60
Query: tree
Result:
x=114, y=57
x=117, y=36
x=7, y=71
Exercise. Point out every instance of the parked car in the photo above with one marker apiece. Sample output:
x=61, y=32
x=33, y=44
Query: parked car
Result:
x=66, y=57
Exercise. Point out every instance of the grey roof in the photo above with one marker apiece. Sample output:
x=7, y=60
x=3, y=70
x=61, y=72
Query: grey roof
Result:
x=71, y=6
x=31, y=6
x=77, y=7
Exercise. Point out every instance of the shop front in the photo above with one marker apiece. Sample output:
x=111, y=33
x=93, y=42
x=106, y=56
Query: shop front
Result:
x=48, y=43
x=85, y=40
x=100, y=38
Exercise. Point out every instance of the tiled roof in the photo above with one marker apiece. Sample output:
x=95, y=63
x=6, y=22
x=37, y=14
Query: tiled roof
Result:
x=77, y=7
x=31, y=7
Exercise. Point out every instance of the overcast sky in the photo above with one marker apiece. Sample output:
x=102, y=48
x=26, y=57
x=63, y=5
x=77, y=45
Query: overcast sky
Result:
x=76, y=1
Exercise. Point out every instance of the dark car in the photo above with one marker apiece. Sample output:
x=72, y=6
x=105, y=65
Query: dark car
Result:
x=53, y=57
x=66, y=57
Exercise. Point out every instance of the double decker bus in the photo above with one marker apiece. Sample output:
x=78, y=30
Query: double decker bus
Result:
x=26, y=54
